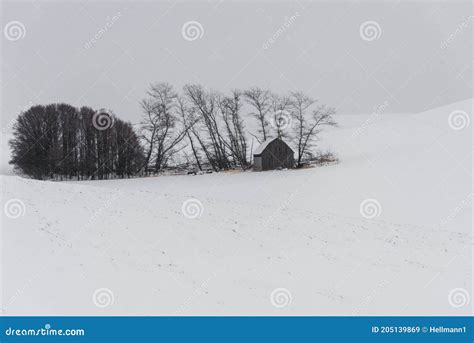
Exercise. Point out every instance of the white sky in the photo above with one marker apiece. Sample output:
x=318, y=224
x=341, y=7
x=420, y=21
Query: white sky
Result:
x=321, y=52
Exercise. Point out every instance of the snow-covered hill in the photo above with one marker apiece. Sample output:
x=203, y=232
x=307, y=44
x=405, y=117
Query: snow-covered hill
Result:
x=387, y=231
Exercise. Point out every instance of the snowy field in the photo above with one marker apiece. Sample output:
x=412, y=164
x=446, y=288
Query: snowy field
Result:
x=294, y=242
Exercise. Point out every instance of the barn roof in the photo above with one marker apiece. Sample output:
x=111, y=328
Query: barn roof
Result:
x=262, y=146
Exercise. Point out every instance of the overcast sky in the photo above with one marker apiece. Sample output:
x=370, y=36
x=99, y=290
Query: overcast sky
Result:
x=413, y=55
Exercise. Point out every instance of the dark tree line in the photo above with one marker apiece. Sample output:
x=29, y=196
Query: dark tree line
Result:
x=198, y=129
x=59, y=141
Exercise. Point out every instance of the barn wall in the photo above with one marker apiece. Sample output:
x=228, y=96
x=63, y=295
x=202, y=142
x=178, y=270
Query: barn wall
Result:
x=277, y=155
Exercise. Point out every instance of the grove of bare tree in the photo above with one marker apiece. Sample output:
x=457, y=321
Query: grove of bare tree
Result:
x=199, y=129
x=59, y=141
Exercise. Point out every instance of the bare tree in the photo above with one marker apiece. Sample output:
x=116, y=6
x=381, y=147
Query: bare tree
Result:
x=159, y=126
x=149, y=129
x=281, y=119
x=261, y=102
x=230, y=108
x=206, y=106
x=308, y=123
x=189, y=120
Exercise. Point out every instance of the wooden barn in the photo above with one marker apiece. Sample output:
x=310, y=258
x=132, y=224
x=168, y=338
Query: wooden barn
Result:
x=272, y=154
